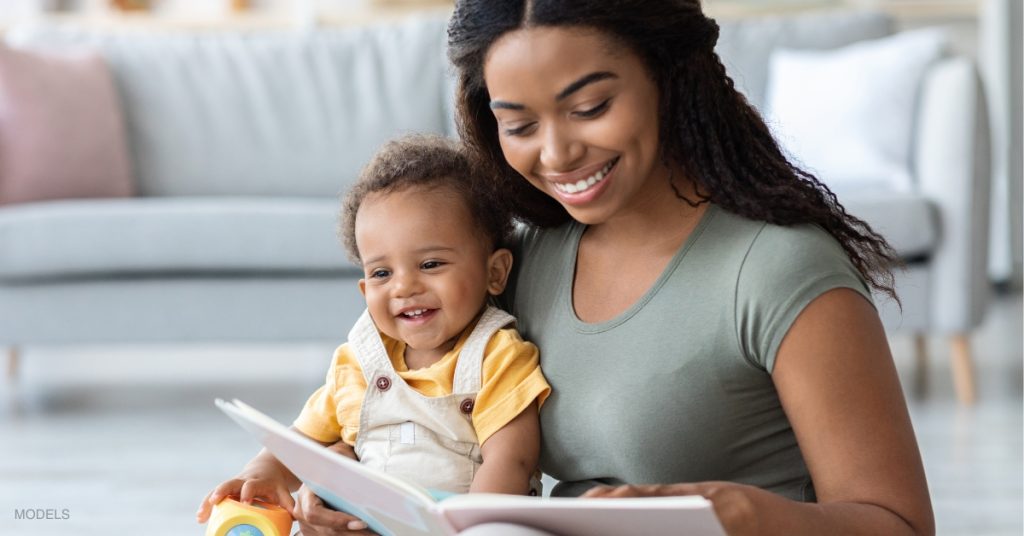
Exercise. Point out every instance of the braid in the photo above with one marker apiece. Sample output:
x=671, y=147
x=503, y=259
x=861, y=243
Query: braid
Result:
x=733, y=157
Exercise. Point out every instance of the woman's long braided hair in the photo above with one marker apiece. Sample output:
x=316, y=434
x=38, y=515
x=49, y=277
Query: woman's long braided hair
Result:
x=709, y=129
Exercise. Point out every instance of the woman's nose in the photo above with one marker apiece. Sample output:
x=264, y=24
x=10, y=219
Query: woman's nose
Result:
x=561, y=150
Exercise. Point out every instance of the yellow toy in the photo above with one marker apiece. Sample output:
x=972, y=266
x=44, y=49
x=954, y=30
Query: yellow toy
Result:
x=233, y=518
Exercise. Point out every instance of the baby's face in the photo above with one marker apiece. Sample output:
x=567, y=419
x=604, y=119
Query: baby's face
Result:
x=426, y=271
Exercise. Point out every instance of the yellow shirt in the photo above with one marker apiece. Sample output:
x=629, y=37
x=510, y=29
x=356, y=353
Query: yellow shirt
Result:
x=511, y=381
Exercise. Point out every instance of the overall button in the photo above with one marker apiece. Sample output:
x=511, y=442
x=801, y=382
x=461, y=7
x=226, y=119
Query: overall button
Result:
x=466, y=406
x=383, y=383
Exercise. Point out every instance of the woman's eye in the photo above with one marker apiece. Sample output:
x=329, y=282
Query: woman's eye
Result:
x=593, y=112
x=518, y=131
x=430, y=265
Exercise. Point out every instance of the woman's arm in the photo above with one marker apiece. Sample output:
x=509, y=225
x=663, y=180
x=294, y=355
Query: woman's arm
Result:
x=510, y=456
x=839, y=388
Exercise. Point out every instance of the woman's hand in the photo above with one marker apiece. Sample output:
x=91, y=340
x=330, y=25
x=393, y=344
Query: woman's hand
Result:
x=739, y=507
x=316, y=519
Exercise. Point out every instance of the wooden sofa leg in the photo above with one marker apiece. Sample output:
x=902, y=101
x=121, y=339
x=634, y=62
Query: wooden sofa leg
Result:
x=963, y=369
x=12, y=364
x=12, y=398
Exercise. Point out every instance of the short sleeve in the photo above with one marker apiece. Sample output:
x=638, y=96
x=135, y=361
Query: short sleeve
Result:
x=784, y=270
x=332, y=411
x=512, y=380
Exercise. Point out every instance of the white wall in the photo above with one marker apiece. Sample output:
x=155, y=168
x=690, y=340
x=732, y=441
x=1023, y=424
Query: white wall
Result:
x=999, y=48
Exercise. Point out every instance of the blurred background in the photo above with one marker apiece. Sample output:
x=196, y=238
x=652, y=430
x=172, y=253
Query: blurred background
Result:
x=169, y=172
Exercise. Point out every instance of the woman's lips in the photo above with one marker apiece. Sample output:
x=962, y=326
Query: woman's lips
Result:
x=593, y=186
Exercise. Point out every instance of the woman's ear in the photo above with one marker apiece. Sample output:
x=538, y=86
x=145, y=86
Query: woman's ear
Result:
x=499, y=265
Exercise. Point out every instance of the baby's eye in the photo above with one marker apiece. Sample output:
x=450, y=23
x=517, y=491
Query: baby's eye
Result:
x=380, y=273
x=430, y=265
x=593, y=112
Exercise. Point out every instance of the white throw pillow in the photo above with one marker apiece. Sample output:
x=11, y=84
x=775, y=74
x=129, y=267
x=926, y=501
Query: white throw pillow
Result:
x=847, y=114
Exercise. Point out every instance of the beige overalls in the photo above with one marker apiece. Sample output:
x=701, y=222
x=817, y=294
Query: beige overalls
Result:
x=427, y=440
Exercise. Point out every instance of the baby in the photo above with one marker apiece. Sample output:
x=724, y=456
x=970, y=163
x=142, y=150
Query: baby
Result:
x=433, y=385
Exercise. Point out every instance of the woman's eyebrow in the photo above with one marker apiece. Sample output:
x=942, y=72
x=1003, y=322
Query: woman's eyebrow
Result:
x=497, y=104
x=562, y=95
x=585, y=80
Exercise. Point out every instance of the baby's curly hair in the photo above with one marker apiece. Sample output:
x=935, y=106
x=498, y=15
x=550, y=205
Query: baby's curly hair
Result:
x=426, y=161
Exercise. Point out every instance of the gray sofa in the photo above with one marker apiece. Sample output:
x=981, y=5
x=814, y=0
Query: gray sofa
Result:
x=242, y=143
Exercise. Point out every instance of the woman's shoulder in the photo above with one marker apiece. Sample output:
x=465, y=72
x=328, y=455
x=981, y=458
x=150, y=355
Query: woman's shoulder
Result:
x=769, y=246
x=783, y=269
x=803, y=249
x=772, y=263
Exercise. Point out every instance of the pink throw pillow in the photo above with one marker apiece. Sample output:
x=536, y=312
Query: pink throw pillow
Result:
x=61, y=128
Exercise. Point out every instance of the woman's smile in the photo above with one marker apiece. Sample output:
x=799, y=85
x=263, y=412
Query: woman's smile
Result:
x=582, y=187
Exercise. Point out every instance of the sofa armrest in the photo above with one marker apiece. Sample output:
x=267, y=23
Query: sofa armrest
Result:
x=952, y=159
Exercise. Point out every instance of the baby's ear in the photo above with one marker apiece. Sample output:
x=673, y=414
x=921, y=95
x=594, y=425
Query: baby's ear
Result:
x=499, y=265
x=362, y=287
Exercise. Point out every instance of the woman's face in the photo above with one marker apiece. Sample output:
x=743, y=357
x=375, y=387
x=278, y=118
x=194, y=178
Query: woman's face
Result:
x=577, y=117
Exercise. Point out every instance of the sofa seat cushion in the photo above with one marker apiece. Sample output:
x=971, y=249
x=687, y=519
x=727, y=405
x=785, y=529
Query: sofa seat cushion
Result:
x=908, y=221
x=74, y=238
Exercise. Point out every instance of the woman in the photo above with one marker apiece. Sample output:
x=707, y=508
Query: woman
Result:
x=702, y=305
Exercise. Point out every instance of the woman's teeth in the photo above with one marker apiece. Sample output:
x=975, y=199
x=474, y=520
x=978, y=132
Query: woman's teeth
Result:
x=585, y=184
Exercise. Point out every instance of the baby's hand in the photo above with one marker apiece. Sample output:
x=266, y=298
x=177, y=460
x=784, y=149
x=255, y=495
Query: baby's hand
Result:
x=248, y=486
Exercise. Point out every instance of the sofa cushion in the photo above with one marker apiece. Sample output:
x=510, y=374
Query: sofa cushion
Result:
x=847, y=114
x=61, y=129
x=269, y=112
x=907, y=220
x=746, y=44
x=60, y=239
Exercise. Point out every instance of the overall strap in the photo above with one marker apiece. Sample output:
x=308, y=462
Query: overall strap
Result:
x=469, y=369
x=370, y=352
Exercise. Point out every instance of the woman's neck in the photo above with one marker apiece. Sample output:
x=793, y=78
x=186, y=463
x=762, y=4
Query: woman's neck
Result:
x=659, y=220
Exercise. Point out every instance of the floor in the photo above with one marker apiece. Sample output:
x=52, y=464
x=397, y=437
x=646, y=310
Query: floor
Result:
x=125, y=440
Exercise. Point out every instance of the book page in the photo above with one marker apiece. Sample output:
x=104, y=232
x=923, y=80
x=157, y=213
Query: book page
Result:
x=684, y=516
x=388, y=505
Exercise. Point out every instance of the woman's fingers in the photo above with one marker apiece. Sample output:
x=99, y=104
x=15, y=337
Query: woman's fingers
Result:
x=598, y=492
x=304, y=500
x=649, y=490
x=735, y=505
x=317, y=519
x=610, y=492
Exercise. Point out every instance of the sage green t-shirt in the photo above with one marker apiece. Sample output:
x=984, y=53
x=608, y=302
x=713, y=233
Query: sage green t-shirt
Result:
x=677, y=388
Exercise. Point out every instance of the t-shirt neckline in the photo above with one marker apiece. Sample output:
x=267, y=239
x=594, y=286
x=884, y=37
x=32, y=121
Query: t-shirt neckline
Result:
x=576, y=234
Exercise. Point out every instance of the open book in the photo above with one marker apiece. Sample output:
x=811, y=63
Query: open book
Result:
x=395, y=507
